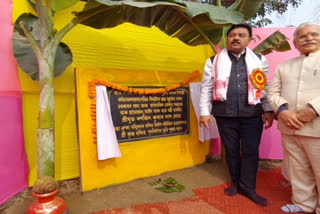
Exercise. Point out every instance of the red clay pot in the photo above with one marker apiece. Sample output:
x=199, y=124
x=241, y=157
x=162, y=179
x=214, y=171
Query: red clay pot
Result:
x=48, y=204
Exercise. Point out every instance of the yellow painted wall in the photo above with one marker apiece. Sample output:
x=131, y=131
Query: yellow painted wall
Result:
x=139, y=158
x=124, y=47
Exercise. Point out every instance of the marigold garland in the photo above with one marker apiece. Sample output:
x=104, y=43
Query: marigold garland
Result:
x=140, y=91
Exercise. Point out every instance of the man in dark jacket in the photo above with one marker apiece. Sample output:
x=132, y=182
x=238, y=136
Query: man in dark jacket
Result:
x=235, y=80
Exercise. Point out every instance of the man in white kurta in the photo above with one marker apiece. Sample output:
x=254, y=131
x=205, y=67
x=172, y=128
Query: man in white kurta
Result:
x=295, y=96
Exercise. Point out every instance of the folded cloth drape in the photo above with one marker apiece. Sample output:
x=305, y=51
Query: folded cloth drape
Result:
x=107, y=143
x=204, y=133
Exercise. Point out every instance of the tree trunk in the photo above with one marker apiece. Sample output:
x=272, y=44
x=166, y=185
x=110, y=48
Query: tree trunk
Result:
x=45, y=132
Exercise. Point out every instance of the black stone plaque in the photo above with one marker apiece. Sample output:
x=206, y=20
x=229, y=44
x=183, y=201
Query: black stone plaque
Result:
x=138, y=117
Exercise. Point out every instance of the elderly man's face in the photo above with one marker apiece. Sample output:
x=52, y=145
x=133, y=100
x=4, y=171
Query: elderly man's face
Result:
x=237, y=40
x=308, y=39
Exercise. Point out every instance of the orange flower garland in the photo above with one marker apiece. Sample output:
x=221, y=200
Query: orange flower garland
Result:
x=141, y=91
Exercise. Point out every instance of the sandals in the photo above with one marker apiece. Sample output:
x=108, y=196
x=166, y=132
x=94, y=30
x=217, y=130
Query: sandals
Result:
x=291, y=208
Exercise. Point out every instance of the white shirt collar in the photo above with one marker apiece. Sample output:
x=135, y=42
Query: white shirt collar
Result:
x=239, y=55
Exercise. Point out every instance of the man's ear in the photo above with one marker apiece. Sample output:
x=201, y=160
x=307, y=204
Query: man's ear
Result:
x=295, y=43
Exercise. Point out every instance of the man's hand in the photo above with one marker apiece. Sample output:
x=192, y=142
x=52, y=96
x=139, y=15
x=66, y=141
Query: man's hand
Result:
x=306, y=115
x=204, y=120
x=275, y=116
x=290, y=119
x=267, y=119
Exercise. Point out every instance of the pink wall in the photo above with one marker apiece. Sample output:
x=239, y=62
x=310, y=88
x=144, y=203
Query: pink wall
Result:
x=13, y=159
x=271, y=140
x=9, y=83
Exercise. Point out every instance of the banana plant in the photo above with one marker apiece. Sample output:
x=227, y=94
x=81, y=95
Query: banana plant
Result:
x=41, y=54
x=275, y=42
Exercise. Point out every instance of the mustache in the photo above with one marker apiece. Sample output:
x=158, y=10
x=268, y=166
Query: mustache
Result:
x=309, y=43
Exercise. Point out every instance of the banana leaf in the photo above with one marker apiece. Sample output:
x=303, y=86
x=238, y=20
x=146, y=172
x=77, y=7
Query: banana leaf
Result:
x=275, y=42
x=62, y=4
x=24, y=54
x=191, y=22
x=168, y=185
x=56, y=4
x=32, y=4
x=248, y=8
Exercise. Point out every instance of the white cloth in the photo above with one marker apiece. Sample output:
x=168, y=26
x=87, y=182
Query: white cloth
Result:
x=204, y=133
x=221, y=70
x=107, y=143
x=207, y=87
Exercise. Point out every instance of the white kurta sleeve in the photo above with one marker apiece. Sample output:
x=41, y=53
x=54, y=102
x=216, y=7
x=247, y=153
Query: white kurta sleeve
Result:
x=274, y=95
x=206, y=89
x=264, y=101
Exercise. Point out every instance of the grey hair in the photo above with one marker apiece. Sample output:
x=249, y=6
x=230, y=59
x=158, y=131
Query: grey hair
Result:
x=302, y=26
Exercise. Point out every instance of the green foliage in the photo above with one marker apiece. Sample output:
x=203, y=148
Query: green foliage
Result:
x=275, y=42
x=248, y=8
x=271, y=6
x=32, y=4
x=268, y=6
x=62, y=4
x=24, y=54
x=56, y=4
x=279, y=6
x=192, y=23
x=168, y=185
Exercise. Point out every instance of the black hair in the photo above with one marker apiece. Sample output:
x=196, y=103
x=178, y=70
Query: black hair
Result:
x=244, y=25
